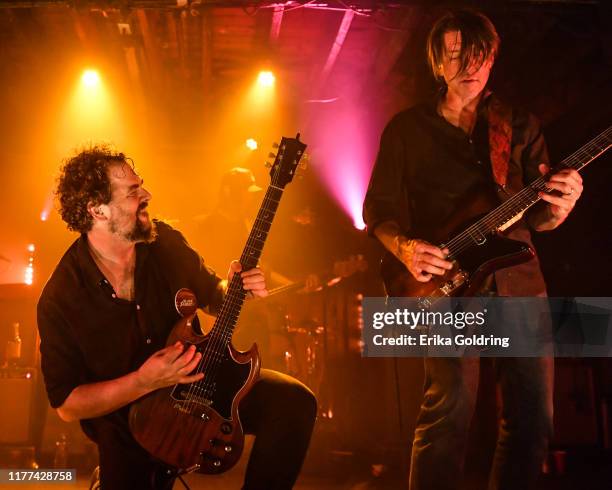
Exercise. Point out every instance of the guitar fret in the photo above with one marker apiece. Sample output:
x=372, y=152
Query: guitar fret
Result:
x=267, y=222
x=260, y=232
x=258, y=243
x=250, y=252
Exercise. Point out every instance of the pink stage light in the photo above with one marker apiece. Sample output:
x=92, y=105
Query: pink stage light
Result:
x=343, y=141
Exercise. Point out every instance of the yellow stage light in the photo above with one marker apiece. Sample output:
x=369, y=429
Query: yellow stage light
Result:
x=31, y=247
x=251, y=144
x=29, y=276
x=266, y=78
x=90, y=78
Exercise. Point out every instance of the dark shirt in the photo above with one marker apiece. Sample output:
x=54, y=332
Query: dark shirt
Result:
x=89, y=335
x=426, y=168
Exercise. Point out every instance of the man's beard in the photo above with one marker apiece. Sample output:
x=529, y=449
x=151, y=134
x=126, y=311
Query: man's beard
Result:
x=140, y=231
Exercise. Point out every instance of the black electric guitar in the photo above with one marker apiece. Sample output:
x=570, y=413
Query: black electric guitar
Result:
x=474, y=237
x=196, y=427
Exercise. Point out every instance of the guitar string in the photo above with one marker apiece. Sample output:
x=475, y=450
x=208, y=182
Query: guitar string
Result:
x=237, y=298
x=209, y=351
x=487, y=225
x=567, y=162
x=466, y=241
x=563, y=163
x=518, y=202
x=225, y=328
x=493, y=217
x=211, y=354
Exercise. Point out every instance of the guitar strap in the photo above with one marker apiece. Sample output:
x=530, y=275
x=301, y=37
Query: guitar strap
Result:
x=500, y=137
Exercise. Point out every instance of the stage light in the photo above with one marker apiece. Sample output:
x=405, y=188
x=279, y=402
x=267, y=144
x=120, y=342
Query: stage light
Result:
x=358, y=220
x=258, y=105
x=251, y=144
x=28, y=276
x=266, y=78
x=342, y=135
x=43, y=216
x=90, y=78
x=90, y=114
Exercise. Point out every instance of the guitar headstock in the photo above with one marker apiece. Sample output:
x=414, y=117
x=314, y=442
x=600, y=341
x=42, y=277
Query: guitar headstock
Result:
x=290, y=151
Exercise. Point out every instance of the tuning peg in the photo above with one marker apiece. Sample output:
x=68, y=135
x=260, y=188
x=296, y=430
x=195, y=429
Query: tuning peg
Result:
x=275, y=145
x=306, y=157
x=268, y=165
x=271, y=155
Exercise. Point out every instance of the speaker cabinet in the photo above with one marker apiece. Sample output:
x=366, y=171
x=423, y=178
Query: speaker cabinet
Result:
x=17, y=393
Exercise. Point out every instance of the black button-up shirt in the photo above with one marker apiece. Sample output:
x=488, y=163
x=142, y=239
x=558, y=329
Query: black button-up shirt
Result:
x=88, y=334
x=426, y=168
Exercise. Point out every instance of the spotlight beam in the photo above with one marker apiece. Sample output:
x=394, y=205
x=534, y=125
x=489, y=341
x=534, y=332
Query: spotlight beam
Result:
x=277, y=20
x=345, y=26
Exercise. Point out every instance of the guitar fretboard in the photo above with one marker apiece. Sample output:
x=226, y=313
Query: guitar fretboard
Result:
x=527, y=197
x=235, y=296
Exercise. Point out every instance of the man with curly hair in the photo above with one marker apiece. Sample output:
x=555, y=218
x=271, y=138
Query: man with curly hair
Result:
x=106, y=312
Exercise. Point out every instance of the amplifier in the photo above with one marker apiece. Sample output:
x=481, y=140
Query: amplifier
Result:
x=17, y=393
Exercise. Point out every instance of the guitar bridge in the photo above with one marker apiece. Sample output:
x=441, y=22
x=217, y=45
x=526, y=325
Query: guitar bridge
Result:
x=459, y=279
x=194, y=398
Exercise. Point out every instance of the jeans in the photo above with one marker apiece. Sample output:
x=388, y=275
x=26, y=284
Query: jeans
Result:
x=451, y=386
x=279, y=410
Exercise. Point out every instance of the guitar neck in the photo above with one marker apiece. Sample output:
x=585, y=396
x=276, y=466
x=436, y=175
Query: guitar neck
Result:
x=512, y=209
x=235, y=296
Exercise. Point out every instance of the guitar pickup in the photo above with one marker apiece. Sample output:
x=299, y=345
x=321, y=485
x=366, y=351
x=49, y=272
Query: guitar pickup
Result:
x=510, y=222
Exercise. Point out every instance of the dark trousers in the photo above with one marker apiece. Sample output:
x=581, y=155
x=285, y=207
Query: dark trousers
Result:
x=451, y=386
x=279, y=410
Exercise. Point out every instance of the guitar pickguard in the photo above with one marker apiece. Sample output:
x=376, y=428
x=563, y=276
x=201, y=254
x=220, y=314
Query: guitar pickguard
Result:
x=231, y=375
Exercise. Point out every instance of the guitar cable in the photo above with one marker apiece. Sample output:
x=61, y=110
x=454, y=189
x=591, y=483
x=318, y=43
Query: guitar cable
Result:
x=183, y=482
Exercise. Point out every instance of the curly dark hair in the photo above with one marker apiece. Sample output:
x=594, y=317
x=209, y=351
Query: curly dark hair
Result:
x=83, y=179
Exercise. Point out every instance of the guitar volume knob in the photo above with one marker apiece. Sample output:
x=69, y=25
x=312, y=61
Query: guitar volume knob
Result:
x=217, y=463
x=228, y=449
